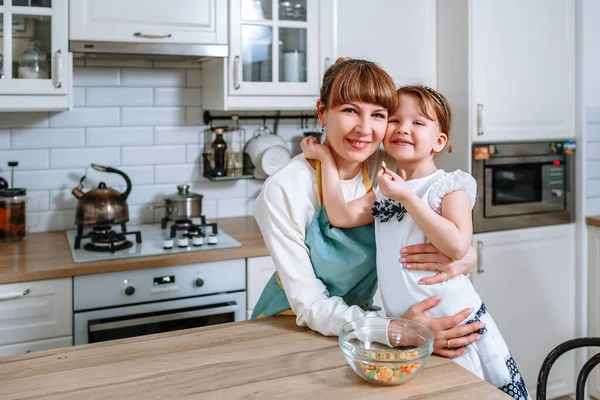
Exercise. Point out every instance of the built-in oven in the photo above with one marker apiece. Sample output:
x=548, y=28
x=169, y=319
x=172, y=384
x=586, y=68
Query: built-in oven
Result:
x=135, y=303
x=523, y=184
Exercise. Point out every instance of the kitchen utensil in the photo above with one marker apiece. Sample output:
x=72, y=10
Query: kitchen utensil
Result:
x=273, y=159
x=13, y=209
x=102, y=205
x=262, y=140
x=33, y=63
x=183, y=204
x=360, y=341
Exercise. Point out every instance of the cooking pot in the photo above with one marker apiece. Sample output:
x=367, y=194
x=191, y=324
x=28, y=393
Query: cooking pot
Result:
x=183, y=204
x=102, y=205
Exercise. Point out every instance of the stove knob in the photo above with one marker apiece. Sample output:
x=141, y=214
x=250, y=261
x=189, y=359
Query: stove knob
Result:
x=129, y=290
x=212, y=239
x=199, y=282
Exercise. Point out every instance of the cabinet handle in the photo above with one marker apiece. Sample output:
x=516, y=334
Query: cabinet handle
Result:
x=480, y=269
x=14, y=295
x=236, y=72
x=151, y=36
x=58, y=66
x=327, y=63
x=479, y=119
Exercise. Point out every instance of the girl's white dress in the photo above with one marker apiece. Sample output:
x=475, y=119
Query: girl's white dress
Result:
x=489, y=357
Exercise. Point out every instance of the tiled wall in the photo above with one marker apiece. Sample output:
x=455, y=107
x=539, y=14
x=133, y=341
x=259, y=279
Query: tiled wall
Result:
x=144, y=118
x=592, y=129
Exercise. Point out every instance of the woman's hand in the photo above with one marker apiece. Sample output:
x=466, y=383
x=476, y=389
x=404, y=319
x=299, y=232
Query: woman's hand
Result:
x=392, y=185
x=313, y=150
x=426, y=257
x=448, y=337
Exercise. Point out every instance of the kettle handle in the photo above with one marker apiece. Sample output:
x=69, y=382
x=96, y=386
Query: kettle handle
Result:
x=100, y=168
x=3, y=183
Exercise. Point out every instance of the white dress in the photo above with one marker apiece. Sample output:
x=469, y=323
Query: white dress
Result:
x=489, y=357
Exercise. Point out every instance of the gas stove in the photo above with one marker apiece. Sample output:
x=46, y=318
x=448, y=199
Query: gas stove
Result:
x=104, y=243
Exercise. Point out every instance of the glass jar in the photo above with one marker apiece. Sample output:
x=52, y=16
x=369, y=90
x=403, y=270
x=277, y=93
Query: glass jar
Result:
x=13, y=214
x=33, y=63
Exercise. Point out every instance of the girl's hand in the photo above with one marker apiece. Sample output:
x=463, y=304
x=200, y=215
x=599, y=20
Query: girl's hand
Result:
x=313, y=150
x=392, y=185
x=448, y=336
x=426, y=257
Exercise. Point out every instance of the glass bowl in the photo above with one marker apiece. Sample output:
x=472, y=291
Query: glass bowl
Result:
x=365, y=345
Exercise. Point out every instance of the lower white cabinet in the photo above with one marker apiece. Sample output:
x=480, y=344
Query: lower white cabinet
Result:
x=526, y=277
x=594, y=301
x=36, y=315
x=259, y=271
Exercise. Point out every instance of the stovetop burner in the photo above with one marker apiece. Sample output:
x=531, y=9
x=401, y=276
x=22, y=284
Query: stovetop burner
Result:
x=104, y=239
x=189, y=228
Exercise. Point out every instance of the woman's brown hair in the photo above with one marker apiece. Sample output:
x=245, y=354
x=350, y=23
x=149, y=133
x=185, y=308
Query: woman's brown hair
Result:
x=434, y=106
x=352, y=79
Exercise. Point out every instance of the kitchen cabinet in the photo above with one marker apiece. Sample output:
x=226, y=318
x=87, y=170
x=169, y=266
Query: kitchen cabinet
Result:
x=526, y=278
x=36, y=315
x=29, y=33
x=508, y=68
x=258, y=271
x=278, y=52
x=407, y=61
x=594, y=300
x=149, y=21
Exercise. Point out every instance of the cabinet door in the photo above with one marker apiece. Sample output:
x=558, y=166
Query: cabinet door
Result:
x=149, y=21
x=594, y=301
x=407, y=61
x=35, y=49
x=38, y=345
x=523, y=79
x=274, y=47
x=526, y=278
x=260, y=270
x=36, y=310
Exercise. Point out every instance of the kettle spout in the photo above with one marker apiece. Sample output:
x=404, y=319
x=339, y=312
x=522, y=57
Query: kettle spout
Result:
x=77, y=192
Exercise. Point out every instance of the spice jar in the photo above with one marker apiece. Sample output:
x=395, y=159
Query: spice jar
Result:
x=13, y=225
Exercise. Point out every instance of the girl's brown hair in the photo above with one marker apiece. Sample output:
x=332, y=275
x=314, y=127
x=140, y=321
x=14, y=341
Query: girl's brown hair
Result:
x=352, y=79
x=434, y=106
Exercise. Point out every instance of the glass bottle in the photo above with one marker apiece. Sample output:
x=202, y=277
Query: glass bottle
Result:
x=33, y=63
x=235, y=150
x=219, y=153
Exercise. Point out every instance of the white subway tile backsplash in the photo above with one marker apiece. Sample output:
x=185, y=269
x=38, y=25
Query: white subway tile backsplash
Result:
x=143, y=175
x=177, y=174
x=4, y=138
x=253, y=187
x=79, y=97
x=80, y=117
x=96, y=137
x=593, y=186
x=220, y=190
x=209, y=209
x=47, y=138
x=593, y=151
x=37, y=200
x=194, y=78
x=53, y=220
x=49, y=179
x=66, y=158
x=28, y=159
x=24, y=120
x=150, y=116
x=227, y=208
x=101, y=97
x=149, y=194
x=193, y=116
x=153, y=77
x=593, y=169
x=63, y=200
x=103, y=77
x=144, y=155
x=141, y=215
x=178, y=135
x=194, y=153
x=177, y=97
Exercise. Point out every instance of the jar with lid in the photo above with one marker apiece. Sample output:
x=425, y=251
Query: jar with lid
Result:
x=33, y=63
x=235, y=138
x=13, y=212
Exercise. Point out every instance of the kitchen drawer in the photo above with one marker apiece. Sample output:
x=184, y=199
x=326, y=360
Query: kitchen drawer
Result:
x=260, y=270
x=38, y=345
x=46, y=311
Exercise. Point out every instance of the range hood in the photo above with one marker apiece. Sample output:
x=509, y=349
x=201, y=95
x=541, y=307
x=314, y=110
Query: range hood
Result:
x=147, y=50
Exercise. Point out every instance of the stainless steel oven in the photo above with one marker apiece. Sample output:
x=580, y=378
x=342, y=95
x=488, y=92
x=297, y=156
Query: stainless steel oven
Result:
x=523, y=184
x=134, y=303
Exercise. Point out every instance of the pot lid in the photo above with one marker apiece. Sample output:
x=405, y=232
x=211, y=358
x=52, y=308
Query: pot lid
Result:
x=184, y=193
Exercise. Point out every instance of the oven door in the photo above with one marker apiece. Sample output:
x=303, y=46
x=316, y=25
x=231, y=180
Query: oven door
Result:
x=164, y=316
x=524, y=185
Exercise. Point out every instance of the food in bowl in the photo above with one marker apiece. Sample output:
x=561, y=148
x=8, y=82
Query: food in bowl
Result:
x=367, y=349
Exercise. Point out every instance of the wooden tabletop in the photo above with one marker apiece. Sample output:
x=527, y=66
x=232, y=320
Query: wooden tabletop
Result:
x=47, y=255
x=267, y=359
x=593, y=220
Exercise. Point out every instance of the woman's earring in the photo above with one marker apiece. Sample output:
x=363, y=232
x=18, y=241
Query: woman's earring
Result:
x=322, y=128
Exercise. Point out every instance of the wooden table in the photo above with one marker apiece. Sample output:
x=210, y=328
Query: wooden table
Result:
x=267, y=359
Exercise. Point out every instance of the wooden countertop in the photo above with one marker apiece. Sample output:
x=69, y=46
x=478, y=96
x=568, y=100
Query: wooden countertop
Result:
x=267, y=359
x=47, y=255
x=593, y=220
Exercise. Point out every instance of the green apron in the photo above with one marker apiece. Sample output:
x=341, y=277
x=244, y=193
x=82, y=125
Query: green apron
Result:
x=342, y=258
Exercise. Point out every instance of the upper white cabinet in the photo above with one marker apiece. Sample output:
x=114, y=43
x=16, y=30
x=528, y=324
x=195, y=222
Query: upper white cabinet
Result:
x=149, y=21
x=401, y=36
x=36, y=64
x=508, y=67
x=278, y=52
x=526, y=278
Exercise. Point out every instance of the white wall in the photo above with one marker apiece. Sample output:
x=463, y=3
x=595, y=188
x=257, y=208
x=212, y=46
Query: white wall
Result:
x=144, y=118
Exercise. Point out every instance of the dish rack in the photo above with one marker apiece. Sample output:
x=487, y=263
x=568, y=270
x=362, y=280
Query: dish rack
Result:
x=208, y=172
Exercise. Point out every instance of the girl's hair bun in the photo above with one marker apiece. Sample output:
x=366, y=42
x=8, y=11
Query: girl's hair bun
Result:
x=342, y=59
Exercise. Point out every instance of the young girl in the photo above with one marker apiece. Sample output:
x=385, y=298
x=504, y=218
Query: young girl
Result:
x=421, y=203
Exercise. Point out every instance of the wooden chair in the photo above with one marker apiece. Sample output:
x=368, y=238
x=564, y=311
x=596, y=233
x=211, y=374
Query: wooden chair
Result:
x=583, y=374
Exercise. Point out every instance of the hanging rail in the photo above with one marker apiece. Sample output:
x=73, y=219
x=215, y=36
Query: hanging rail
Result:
x=304, y=118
